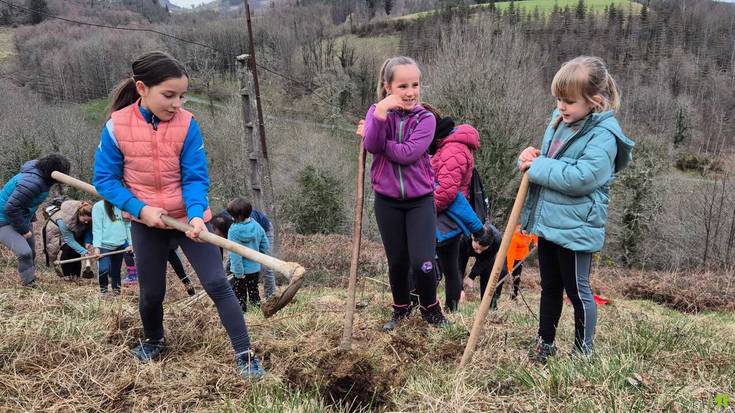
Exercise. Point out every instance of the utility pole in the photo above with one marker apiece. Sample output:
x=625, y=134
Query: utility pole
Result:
x=257, y=177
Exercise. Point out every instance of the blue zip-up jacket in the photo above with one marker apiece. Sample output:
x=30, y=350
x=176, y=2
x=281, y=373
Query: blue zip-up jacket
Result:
x=21, y=196
x=458, y=218
x=250, y=234
x=109, y=162
x=568, y=197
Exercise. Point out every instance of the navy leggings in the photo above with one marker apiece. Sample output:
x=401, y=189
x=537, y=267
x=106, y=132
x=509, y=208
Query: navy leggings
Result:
x=152, y=246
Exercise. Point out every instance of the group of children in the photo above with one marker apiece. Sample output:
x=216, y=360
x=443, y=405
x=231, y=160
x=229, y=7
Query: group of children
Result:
x=151, y=161
x=566, y=207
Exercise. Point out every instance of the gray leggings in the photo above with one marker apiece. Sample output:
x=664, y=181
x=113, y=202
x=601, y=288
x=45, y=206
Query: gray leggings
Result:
x=152, y=246
x=24, y=249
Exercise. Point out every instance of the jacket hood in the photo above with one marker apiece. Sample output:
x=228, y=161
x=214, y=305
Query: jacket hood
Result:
x=607, y=121
x=464, y=134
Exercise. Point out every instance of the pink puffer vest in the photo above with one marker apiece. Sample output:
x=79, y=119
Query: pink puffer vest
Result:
x=151, y=169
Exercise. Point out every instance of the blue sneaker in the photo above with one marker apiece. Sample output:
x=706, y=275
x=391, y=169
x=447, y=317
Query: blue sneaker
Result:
x=149, y=350
x=249, y=366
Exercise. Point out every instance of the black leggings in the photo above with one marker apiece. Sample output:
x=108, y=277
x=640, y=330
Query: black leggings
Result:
x=152, y=246
x=178, y=266
x=566, y=270
x=72, y=269
x=448, y=253
x=407, y=230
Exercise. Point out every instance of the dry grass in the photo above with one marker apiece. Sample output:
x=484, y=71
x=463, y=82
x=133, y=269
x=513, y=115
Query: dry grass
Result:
x=7, y=48
x=63, y=348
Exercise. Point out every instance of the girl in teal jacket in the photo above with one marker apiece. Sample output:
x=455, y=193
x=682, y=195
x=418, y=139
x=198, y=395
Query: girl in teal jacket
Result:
x=582, y=149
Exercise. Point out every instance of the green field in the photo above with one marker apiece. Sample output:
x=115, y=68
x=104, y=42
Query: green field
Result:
x=544, y=6
x=6, y=43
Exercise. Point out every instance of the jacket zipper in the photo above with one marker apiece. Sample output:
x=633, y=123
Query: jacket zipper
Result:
x=400, y=169
x=158, y=165
x=556, y=156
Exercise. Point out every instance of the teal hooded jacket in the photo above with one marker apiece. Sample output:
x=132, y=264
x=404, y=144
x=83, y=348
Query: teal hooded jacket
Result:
x=568, y=195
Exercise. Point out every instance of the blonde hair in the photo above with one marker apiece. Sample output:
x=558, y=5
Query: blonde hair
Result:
x=585, y=77
x=386, y=73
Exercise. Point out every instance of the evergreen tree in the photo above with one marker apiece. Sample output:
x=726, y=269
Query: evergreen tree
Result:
x=579, y=12
x=40, y=8
x=388, y=6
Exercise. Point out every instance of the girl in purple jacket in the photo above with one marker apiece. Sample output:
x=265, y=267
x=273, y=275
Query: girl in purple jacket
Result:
x=398, y=131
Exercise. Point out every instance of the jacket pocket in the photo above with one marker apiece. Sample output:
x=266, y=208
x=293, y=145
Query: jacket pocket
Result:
x=597, y=216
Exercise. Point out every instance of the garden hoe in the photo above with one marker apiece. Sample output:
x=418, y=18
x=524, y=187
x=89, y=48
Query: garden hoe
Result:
x=293, y=271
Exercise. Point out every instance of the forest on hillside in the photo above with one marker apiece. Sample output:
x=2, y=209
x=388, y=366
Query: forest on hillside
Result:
x=487, y=66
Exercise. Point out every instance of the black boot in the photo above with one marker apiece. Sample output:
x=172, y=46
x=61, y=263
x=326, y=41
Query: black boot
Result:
x=433, y=315
x=543, y=350
x=400, y=313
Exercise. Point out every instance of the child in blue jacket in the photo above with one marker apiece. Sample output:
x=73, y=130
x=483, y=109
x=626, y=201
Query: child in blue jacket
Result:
x=582, y=149
x=245, y=231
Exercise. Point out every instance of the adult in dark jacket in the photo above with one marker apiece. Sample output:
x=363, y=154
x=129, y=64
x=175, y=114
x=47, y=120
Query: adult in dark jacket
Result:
x=484, y=249
x=19, y=200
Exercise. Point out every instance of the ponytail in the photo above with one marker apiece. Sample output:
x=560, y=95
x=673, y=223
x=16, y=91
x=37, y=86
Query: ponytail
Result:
x=123, y=94
x=380, y=91
x=110, y=211
x=613, y=98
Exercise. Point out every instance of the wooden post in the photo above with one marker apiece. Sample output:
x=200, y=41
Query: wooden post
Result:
x=346, y=343
x=497, y=267
x=258, y=178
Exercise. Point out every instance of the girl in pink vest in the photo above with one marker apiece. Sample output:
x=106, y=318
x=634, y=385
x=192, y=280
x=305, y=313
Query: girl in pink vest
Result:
x=151, y=161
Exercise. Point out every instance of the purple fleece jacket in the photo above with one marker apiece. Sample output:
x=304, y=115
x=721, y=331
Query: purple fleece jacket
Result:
x=401, y=167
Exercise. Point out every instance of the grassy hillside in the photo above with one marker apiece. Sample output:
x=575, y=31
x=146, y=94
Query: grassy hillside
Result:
x=544, y=6
x=65, y=349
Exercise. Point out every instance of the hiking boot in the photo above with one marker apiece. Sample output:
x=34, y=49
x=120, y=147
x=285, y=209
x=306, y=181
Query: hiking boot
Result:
x=433, y=315
x=400, y=313
x=190, y=290
x=249, y=366
x=542, y=351
x=148, y=350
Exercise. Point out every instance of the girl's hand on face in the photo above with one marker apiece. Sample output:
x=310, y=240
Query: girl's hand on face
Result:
x=151, y=216
x=391, y=102
x=360, y=128
x=199, y=228
x=527, y=157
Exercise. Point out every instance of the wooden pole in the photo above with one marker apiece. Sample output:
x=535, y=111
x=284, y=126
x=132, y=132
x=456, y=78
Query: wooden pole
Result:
x=93, y=257
x=497, y=267
x=346, y=343
x=289, y=269
x=258, y=178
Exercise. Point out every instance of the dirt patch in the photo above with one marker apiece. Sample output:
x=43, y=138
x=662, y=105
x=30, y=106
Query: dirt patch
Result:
x=353, y=380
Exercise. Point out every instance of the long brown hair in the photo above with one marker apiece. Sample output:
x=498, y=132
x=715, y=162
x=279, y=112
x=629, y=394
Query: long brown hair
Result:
x=110, y=210
x=152, y=68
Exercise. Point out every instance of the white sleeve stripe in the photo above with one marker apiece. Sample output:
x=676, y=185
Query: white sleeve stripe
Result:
x=111, y=131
